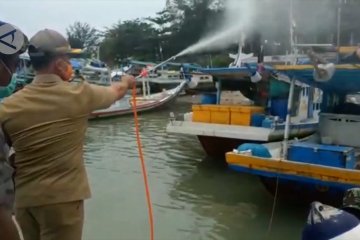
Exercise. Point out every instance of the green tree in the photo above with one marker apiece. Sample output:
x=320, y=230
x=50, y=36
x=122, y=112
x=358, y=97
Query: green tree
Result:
x=165, y=25
x=82, y=35
x=130, y=39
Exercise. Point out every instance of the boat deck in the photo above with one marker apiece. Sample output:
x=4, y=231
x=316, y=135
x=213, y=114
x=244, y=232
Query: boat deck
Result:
x=250, y=133
x=219, y=130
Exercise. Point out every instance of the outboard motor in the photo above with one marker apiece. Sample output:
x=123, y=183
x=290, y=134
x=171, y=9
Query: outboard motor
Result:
x=329, y=223
x=323, y=71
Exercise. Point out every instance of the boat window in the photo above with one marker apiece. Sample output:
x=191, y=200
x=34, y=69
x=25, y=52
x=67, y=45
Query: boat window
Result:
x=353, y=98
x=296, y=102
x=350, y=104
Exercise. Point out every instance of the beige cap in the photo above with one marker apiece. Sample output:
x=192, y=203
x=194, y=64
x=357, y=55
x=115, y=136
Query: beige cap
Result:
x=48, y=41
x=18, y=43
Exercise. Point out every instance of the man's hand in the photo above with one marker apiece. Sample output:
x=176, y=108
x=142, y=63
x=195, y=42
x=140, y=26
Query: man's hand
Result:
x=129, y=79
x=121, y=88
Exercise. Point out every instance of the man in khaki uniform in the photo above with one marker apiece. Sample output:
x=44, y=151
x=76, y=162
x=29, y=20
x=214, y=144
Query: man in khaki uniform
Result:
x=46, y=122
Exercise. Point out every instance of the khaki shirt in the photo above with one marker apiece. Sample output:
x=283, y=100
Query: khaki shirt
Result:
x=46, y=122
x=6, y=181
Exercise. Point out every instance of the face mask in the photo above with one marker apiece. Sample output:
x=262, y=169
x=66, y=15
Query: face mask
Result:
x=67, y=72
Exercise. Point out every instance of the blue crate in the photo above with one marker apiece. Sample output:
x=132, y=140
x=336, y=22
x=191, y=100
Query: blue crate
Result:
x=327, y=155
x=208, y=99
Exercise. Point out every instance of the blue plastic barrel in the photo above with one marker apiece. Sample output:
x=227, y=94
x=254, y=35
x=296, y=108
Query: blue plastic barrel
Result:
x=279, y=108
x=279, y=89
x=208, y=99
x=257, y=150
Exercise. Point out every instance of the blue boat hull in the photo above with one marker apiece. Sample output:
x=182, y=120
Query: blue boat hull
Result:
x=299, y=189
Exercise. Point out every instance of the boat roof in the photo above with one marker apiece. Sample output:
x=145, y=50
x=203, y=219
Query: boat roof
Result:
x=233, y=73
x=188, y=65
x=141, y=63
x=345, y=80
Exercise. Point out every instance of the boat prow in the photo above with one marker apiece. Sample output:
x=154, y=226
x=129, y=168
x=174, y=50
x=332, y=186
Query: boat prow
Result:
x=144, y=103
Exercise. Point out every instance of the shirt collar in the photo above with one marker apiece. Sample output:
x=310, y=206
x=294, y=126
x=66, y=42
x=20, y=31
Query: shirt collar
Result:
x=47, y=78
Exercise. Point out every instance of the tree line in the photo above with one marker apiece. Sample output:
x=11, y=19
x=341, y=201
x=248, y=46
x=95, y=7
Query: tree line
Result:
x=183, y=22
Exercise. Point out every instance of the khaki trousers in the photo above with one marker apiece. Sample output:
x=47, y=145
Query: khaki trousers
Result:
x=52, y=222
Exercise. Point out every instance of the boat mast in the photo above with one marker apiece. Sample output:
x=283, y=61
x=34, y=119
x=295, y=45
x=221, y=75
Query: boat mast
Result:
x=288, y=119
x=339, y=23
x=292, y=86
x=293, y=40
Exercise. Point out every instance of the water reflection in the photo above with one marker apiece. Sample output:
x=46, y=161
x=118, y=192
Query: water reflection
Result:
x=194, y=198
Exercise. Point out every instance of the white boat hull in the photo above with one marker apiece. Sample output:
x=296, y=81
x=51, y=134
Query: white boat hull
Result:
x=238, y=132
x=150, y=102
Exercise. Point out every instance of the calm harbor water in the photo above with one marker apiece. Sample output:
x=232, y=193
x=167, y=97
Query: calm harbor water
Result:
x=194, y=197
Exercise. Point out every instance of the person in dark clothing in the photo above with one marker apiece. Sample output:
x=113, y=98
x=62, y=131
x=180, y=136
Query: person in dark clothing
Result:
x=9, y=59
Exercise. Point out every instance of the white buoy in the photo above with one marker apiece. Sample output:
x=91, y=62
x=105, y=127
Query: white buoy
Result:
x=193, y=83
x=324, y=72
x=256, y=77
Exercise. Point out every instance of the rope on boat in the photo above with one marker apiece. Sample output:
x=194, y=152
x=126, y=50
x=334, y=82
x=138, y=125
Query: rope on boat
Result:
x=274, y=206
x=143, y=166
x=284, y=152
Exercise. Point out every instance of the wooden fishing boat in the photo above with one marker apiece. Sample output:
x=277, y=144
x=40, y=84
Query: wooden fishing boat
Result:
x=324, y=165
x=221, y=126
x=144, y=103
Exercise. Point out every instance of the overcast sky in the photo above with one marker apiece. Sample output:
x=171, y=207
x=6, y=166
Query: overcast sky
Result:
x=33, y=15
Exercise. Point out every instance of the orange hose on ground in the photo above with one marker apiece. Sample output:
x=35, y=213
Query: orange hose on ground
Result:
x=143, y=166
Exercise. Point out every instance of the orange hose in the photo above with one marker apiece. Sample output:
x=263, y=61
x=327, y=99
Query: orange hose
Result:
x=143, y=166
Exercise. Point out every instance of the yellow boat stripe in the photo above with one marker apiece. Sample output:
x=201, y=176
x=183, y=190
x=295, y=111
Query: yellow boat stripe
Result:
x=309, y=67
x=323, y=173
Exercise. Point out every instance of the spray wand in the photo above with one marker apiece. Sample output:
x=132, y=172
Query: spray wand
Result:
x=141, y=154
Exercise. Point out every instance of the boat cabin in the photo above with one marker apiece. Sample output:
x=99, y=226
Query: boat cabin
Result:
x=263, y=103
x=336, y=140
